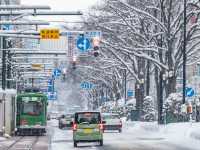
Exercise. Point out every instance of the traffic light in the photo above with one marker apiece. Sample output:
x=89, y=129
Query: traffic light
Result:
x=96, y=42
x=74, y=65
x=74, y=62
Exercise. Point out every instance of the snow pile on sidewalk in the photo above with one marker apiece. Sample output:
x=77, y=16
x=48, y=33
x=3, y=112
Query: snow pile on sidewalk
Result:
x=195, y=131
x=2, y=139
x=173, y=130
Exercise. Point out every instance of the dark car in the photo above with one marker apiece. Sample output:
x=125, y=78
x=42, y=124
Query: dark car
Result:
x=65, y=121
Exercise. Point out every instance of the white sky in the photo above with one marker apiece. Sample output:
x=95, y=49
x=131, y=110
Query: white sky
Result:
x=63, y=5
x=67, y=5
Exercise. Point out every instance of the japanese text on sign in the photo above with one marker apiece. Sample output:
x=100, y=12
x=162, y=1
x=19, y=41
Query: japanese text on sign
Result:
x=49, y=34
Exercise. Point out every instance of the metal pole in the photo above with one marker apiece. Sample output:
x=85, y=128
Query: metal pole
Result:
x=9, y=71
x=125, y=96
x=184, y=51
x=4, y=64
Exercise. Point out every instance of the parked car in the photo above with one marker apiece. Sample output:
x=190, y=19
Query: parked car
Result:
x=65, y=121
x=48, y=116
x=54, y=115
x=112, y=122
x=87, y=127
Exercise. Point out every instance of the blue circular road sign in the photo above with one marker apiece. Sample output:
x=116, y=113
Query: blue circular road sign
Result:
x=83, y=44
x=57, y=72
x=189, y=92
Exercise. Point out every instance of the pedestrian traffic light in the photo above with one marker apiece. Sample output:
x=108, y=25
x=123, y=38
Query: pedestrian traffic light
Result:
x=96, y=42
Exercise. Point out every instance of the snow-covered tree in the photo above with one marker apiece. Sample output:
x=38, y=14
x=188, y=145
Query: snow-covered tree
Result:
x=172, y=105
x=145, y=38
x=149, y=110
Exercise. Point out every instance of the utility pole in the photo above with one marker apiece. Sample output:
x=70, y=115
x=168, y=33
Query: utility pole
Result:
x=9, y=72
x=4, y=64
x=184, y=51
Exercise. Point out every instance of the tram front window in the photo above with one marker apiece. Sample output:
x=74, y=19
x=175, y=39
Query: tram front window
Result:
x=32, y=107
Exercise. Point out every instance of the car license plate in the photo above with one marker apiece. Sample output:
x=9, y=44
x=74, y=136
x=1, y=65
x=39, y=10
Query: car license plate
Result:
x=87, y=131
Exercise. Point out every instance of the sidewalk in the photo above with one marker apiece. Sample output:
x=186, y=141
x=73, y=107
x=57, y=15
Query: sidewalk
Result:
x=4, y=142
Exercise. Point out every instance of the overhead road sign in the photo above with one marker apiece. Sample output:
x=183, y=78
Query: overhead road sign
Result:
x=86, y=85
x=49, y=33
x=7, y=27
x=93, y=34
x=52, y=95
x=24, y=23
x=41, y=13
x=189, y=92
x=23, y=7
x=37, y=66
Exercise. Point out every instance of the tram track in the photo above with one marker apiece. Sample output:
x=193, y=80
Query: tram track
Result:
x=24, y=143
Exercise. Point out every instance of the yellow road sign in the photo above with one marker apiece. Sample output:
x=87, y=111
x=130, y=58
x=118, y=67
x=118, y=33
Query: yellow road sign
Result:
x=37, y=66
x=49, y=33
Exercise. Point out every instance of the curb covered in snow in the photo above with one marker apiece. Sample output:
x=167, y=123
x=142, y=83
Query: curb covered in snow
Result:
x=195, y=132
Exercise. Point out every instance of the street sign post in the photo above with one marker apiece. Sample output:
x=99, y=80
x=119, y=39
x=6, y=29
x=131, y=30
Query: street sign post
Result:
x=189, y=92
x=49, y=33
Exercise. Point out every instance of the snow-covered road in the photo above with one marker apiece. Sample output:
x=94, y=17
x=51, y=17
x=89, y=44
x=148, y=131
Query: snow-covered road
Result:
x=134, y=137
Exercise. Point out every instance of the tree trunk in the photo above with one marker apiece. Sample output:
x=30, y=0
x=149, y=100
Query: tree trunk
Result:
x=148, y=79
x=139, y=87
x=171, y=85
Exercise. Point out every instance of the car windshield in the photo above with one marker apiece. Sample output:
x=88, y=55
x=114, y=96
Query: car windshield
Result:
x=88, y=117
x=111, y=116
x=32, y=108
x=68, y=116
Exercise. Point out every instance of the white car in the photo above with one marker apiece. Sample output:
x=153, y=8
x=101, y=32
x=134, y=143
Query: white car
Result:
x=54, y=115
x=112, y=122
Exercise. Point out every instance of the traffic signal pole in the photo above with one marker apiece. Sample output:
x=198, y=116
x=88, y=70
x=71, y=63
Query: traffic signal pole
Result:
x=184, y=51
x=125, y=91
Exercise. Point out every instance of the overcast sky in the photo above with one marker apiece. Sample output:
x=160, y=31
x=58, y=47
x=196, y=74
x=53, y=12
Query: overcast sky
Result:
x=63, y=5
x=68, y=5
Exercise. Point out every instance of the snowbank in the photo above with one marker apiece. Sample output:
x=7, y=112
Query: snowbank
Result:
x=2, y=139
x=195, y=131
x=173, y=130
